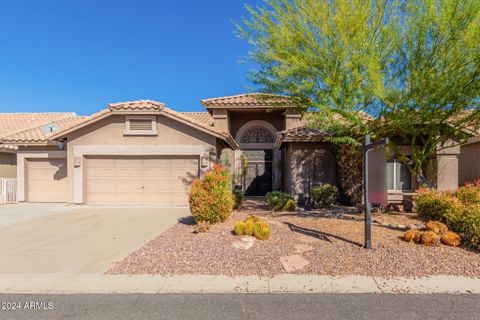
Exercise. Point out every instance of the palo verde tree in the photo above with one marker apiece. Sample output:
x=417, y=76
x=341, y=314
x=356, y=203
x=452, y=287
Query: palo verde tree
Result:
x=414, y=65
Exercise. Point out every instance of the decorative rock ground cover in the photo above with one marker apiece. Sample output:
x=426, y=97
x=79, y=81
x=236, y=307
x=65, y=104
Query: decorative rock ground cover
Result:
x=334, y=248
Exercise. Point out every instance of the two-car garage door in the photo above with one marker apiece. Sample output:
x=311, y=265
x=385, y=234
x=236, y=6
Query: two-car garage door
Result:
x=139, y=181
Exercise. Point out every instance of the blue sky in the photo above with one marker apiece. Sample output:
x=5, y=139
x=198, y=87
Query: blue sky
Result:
x=80, y=55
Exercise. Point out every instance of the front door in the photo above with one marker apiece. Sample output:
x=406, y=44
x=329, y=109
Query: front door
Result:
x=258, y=177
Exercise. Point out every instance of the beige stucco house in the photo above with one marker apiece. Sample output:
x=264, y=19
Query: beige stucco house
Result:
x=13, y=123
x=143, y=153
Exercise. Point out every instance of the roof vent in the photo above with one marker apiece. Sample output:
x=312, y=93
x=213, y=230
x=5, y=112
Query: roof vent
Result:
x=49, y=128
x=140, y=125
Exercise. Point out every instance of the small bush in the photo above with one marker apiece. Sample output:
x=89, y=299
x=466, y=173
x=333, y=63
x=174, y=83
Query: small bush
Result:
x=430, y=238
x=325, y=195
x=290, y=205
x=277, y=200
x=450, y=239
x=436, y=227
x=249, y=228
x=262, y=230
x=239, y=197
x=469, y=194
x=202, y=226
x=211, y=197
x=434, y=205
x=239, y=228
x=467, y=224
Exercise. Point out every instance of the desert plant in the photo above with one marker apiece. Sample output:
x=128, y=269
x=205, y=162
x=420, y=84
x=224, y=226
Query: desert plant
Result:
x=467, y=224
x=276, y=200
x=211, y=197
x=290, y=205
x=202, y=226
x=450, y=239
x=239, y=197
x=239, y=228
x=417, y=237
x=261, y=230
x=430, y=238
x=324, y=196
x=436, y=205
x=409, y=235
x=469, y=193
x=253, y=219
x=436, y=227
x=249, y=227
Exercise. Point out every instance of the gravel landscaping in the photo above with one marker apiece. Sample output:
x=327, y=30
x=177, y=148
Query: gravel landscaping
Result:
x=330, y=246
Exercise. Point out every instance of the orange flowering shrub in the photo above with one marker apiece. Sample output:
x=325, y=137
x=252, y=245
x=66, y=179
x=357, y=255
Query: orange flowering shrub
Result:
x=211, y=198
x=469, y=193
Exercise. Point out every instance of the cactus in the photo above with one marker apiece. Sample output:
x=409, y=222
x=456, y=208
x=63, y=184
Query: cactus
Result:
x=239, y=228
x=409, y=235
x=451, y=239
x=430, y=238
x=262, y=230
x=253, y=219
x=248, y=228
x=436, y=227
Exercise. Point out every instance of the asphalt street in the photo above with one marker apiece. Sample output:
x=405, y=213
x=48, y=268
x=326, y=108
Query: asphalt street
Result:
x=240, y=306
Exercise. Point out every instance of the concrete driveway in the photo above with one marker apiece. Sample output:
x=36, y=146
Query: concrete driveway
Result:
x=76, y=239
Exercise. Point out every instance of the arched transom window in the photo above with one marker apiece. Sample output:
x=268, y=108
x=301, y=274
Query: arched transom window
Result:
x=257, y=135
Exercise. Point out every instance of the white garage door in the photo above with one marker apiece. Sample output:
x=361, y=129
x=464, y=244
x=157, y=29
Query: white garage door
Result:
x=47, y=180
x=140, y=181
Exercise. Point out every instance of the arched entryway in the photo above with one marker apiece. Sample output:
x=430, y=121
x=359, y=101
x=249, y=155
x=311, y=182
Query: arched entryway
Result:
x=257, y=157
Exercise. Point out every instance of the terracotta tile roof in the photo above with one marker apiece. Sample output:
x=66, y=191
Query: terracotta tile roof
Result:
x=301, y=134
x=248, y=99
x=8, y=148
x=39, y=134
x=138, y=105
x=11, y=123
x=199, y=119
x=204, y=117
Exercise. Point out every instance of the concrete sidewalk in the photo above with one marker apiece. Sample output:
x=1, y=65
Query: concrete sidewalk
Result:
x=96, y=283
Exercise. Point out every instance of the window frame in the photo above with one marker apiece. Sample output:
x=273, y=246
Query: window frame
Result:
x=395, y=161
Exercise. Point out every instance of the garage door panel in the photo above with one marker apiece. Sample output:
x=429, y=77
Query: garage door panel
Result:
x=47, y=180
x=140, y=181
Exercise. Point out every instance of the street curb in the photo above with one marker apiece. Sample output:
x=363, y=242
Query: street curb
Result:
x=90, y=283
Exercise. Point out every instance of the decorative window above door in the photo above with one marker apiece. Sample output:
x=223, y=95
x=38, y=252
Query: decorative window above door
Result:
x=257, y=135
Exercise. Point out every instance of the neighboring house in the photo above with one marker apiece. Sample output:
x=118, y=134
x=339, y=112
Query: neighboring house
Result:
x=143, y=153
x=12, y=123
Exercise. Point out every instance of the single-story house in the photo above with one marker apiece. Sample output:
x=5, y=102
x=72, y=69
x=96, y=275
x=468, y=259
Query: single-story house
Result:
x=143, y=153
x=13, y=123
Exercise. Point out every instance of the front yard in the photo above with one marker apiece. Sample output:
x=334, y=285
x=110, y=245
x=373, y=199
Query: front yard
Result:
x=306, y=244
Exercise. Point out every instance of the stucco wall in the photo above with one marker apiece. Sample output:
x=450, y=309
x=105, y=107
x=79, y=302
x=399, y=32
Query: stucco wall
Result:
x=304, y=175
x=469, y=163
x=107, y=136
x=8, y=165
x=238, y=119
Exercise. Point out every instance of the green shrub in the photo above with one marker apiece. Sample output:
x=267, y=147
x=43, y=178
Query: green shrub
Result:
x=239, y=228
x=325, y=195
x=249, y=228
x=290, y=205
x=277, y=200
x=461, y=217
x=469, y=194
x=467, y=224
x=261, y=230
x=434, y=205
x=239, y=196
x=211, y=197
